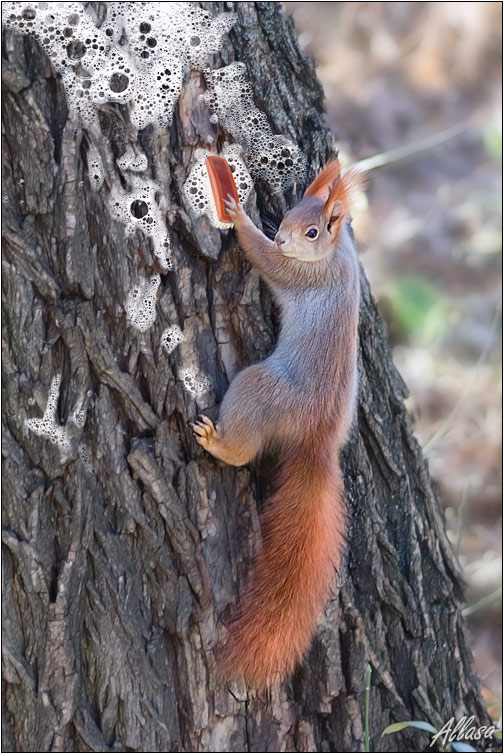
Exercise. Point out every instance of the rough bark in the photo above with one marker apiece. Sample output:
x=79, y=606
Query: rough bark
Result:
x=120, y=573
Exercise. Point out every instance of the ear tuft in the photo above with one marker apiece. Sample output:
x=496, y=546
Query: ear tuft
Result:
x=342, y=191
x=324, y=180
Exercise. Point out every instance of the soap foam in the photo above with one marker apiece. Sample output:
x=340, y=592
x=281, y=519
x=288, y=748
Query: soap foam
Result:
x=48, y=426
x=95, y=167
x=84, y=456
x=133, y=161
x=79, y=418
x=230, y=98
x=171, y=338
x=141, y=303
x=136, y=207
x=140, y=54
x=195, y=382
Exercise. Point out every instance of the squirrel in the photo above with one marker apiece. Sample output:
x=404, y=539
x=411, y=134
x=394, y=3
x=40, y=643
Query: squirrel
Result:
x=300, y=400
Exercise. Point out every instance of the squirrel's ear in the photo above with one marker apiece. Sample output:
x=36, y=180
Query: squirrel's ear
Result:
x=337, y=205
x=323, y=183
x=334, y=212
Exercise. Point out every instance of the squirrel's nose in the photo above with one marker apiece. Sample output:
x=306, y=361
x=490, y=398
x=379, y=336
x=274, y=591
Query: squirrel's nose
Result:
x=279, y=240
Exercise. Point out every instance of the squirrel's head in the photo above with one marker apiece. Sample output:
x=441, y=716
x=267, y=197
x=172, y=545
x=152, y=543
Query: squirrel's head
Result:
x=310, y=230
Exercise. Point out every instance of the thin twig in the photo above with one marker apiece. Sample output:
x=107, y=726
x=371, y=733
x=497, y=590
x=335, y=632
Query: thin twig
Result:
x=399, y=153
x=483, y=602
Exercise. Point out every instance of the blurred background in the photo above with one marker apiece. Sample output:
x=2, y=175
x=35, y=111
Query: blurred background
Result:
x=426, y=77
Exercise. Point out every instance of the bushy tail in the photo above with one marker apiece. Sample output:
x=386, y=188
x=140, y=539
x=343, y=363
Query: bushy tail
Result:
x=303, y=531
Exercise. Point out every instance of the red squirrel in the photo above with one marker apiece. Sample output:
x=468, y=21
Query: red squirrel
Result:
x=300, y=400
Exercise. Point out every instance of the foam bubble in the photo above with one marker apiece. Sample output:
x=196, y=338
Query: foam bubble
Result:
x=84, y=456
x=48, y=426
x=133, y=161
x=82, y=53
x=171, y=337
x=79, y=418
x=195, y=382
x=95, y=167
x=158, y=89
x=141, y=303
x=136, y=206
x=231, y=98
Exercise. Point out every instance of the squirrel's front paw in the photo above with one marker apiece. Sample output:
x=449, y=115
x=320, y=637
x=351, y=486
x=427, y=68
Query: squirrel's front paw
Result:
x=233, y=209
x=204, y=432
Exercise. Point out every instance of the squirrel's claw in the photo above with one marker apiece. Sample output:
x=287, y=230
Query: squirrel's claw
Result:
x=198, y=429
x=230, y=204
x=204, y=430
x=205, y=420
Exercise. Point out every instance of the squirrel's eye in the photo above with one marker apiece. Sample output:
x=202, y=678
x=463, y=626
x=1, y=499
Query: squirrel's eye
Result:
x=312, y=234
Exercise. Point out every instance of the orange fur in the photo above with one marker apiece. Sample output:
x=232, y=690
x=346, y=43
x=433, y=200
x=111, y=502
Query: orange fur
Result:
x=327, y=176
x=332, y=185
x=343, y=189
x=303, y=532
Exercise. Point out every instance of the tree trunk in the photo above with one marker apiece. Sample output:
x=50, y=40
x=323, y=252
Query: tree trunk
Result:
x=125, y=544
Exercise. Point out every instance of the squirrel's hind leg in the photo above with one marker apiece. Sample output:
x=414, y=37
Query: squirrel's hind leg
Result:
x=210, y=438
x=245, y=423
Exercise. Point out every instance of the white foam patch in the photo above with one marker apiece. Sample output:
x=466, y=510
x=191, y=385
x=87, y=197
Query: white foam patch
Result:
x=48, y=426
x=84, y=456
x=277, y=160
x=139, y=55
x=79, y=418
x=141, y=303
x=135, y=162
x=166, y=40
x=155, y=104
x=95, y=167
x=230, y=98
x=171, y=337
x=195, y=382
x=197, y=189
x=137, y=207
x=78, y=50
